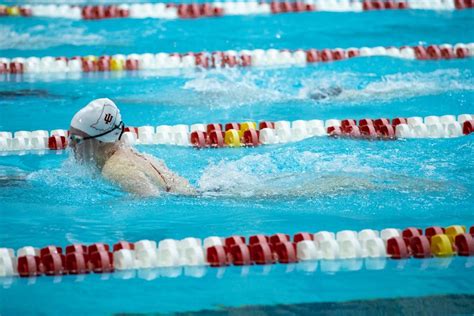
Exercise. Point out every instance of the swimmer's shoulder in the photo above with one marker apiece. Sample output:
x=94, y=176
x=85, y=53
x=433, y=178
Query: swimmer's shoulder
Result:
x=120, y=169
x=118, y=163
x=125, y=155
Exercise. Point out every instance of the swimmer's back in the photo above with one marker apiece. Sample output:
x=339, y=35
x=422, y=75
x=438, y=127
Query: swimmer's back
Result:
x=143, y=174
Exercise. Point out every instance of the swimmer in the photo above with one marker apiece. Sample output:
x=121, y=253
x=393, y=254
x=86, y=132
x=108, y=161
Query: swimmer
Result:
x=94, y=137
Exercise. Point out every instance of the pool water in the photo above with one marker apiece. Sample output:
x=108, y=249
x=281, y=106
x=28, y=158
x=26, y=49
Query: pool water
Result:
x=316, y=184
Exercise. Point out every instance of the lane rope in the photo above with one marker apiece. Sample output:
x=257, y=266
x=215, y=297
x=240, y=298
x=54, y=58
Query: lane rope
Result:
x=249, y=134
x=215, y=251
x=304, y=267
x=219, y=9
x=225, y=59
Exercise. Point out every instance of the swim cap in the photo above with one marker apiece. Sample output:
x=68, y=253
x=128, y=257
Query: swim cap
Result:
x=100, y=119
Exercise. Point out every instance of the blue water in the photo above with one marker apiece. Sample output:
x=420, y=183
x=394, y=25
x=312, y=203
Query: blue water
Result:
x=317, y=184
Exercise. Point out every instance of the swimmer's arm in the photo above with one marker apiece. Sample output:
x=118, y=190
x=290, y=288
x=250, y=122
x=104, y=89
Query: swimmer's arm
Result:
x=132, y=182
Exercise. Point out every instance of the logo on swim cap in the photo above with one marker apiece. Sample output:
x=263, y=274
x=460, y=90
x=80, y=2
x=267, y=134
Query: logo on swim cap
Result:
x=108, y=114
x=108, y=118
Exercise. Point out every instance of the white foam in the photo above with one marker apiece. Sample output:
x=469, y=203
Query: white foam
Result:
x=231, y=87
x=37, y=37
x=285, y=173
x=357, y=88
x=72, y=175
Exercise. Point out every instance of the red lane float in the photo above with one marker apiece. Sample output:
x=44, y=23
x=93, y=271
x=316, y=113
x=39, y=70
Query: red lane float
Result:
x=240, y=254
x=76, y=248
x=345, y=124
x=234, y=240
x=286, y=252
x=387, y=131
x=216, y=139
x=123, y=245
x=131, y=64
x=132, y=130
x=54, y=264
x=312, y=56
x=279, y=238
x=302, y=236
x=101, y=261
x=334, y=131
x=229, y=126
x=381, y=122
x=4, y=68
x=411, y=232
x=464, y=244
x=213, y=127
x=29, y=266
x=217, y=256
x=198, y=139
x=57, y=142
x=366, y=122
x=261, y=253
x=266, y=124
x=399, y=120
x=420, y=247
x=468, y=127
x=338, y=54
x=250, y=138
x=433, y=230
x=397, y=248
x=463, y=4
x=16, y=67
x=97, y=247
x=50, y=250
x=77, y=263
x=353, y=132
x=258, y=239
x=368, y=131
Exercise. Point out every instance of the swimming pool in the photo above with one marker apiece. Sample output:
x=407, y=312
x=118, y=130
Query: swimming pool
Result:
x=355, y=184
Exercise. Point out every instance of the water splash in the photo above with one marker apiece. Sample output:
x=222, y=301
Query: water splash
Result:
x=360, y=87
x=301, y=173
x=232, y=88
x=287, y=173
x=83, y=184
x=228, y=88
x=36, y=37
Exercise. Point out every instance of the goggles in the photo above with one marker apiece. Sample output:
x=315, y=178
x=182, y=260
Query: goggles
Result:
x=79, y=139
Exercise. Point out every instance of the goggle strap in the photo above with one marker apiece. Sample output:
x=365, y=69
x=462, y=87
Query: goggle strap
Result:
x=121, y=125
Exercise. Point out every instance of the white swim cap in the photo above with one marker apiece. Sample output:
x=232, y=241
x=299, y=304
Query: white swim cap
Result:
x=100, y=119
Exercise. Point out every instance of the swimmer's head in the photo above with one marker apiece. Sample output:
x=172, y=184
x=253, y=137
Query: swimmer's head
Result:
x=99, y=122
